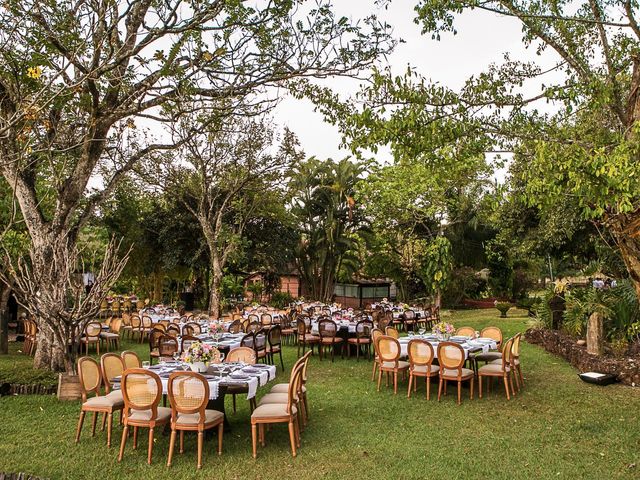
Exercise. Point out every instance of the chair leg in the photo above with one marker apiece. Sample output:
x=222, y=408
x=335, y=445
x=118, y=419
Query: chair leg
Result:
x=109, y=428
x=428, y=386
x=471, y=392
x=220, y=433
x=292, y=437
x=520, y=375
x=379, y=378
x=93, y=424
x=200, y=442
x=104, y=422
x=254, y=440
x=150, y=451
x=181, y=441
x=409, y=389
x=506, y=387
x=123, y=441
x=459, y=392
x=80, y=422
x=439, y=389
x=172, y=444
x=480, y=386
x=395, y=382
x=135, y=438
x=373, y=375
x=281, y=360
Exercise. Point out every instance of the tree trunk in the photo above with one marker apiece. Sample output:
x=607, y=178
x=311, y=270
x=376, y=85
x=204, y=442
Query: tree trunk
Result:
x=51, y=353
x=595, y=334
x=158, y=278
x=216, y=282
x=5, y=292
x=627, y=235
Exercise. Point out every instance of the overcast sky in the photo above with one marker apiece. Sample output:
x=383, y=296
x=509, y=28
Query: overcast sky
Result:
x=482, y=39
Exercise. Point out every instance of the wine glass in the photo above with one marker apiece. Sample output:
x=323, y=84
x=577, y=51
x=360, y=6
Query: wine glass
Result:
x=422, y=331
x=146, y=364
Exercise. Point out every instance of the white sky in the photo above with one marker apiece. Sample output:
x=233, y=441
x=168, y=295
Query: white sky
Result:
x=482, y=39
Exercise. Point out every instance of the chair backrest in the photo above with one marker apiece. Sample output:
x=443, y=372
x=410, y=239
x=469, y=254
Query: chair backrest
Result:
x=515, y=349
x=112, y=367
x=260, y=340
x=167, y=346
x=146, y=321
x=253, y=318
x=507, y=350
x=420, y=353
x=327, y=328
x=248, y=340
x=114, y=325
x=126, y=319
x=409, y=314
x=450, y=356
x=275, y=336
x=188, y=394
x=253, y=326
x=492, y=332
x=266, y=319
x=241, y=354
x=192, y=328
x=141, y=390
x=131, y=359
x=92, y=330
x=301, y=328
x=375, y=334
x=388, y=349
x=163, y=324
x=466, y=331
x=173, y=329
x=364, y=328
x=235, y=327
x=391, y=332
x=186, y=341
x=154, y=338
x=90, y=376
x=135, y=321
x=293, y=392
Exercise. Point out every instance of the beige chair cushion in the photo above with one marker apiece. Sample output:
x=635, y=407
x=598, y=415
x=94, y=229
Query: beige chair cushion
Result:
x=454, y=373
x=284, y=388
x=272, y=410
x=274, y=398
x=113, y=400
x=423, y=369
x=210, y=416
x=109, y=335
x=492, y=368
x=488, y=357
x=401, y=365
x=311, y=338
x=164, y=413
x=330, y=340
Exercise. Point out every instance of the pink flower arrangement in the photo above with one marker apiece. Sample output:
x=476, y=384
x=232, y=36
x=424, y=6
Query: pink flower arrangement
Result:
x=444, y=328
x=197, y=352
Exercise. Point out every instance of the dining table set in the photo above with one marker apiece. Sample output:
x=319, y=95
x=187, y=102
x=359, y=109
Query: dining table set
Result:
x=470, y=345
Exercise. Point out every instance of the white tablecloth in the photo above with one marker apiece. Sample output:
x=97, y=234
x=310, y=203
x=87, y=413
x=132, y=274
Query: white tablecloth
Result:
x=470, y=345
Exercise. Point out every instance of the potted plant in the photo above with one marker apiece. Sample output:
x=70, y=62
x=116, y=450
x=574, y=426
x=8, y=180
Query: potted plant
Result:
x=503, y=308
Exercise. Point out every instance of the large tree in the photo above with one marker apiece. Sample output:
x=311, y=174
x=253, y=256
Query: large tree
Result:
x=79, y=80
x=579, y=130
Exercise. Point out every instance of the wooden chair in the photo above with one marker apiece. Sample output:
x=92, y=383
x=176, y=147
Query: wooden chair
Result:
x=142, y=391
x=288, y=332
x=328, y=331
x=421, y=364
x=246, y=355
x=161, y=325
x=375, y=334
x=274, y=347
x=451, y=359
x=362, y=338
x=305, y=337
x=266, y=319
x=270, y=413
x=189, y=395
x=466, y=332
x=253, y=327
x=173, y=329
x=154, y=339
x=187, y=341
x=500, y=370
x=136, y=322
x=495, y=334
x=146, y=325
x=131, y=359
x=167, y=347
x=284, y=387
x=126, y=327
x=391, y=332
x=90, y=381
x=389, y=353
x=112, y=367
x=260, y=344
x=409, y=319
x=192, y=328
x=515, y=360
x=235, y=327
x=92, y=331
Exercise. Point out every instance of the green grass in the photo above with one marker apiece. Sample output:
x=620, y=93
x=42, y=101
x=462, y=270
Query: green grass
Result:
x=18, y=368
x=557, y=427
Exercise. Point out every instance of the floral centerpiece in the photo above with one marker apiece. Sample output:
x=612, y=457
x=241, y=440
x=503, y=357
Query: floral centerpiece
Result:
x=443, y=330
x=214, y=329
x=198, y=356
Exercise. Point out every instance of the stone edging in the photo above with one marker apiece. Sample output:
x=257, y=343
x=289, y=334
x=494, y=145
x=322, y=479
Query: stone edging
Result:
x=26, y=389
x=626, y=369
x=17, y=476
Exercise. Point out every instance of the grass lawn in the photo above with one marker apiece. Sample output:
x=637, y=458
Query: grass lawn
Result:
x=557, y=427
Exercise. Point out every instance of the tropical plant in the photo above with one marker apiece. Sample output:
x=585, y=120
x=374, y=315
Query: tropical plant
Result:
x=436, y=267
x=503, y=308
